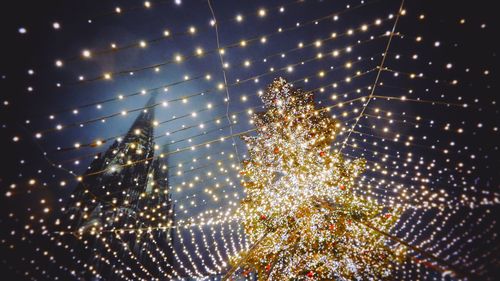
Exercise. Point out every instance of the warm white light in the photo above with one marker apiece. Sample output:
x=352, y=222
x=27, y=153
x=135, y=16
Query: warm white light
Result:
x=86, y=53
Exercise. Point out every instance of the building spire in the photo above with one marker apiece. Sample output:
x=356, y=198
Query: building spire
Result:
x=143, y=124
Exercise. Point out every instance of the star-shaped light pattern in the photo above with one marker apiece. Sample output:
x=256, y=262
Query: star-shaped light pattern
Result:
x=410, y=86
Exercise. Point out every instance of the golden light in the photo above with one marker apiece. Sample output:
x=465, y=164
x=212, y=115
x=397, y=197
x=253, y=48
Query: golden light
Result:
x=86, y=53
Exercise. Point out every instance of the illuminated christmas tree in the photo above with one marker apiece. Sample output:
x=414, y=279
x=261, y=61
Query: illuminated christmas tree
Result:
x=303, y=211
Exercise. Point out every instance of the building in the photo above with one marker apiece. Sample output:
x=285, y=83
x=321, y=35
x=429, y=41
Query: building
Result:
x=123, y=207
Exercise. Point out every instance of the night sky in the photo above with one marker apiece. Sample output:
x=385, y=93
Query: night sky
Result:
x=77, y=73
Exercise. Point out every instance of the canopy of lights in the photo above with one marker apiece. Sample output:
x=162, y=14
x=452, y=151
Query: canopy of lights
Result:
x=249, y=140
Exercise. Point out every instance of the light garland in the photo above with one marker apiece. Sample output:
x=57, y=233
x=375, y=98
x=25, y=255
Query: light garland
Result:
x=417, y=156
x=290, y=176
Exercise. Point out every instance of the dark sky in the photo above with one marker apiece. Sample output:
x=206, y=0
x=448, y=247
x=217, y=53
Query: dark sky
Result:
x=451, y=50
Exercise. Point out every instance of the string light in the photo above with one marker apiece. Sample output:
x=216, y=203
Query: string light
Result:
x=405, y=164
x=303, y=218
x=86, y=53
x=262, y=13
